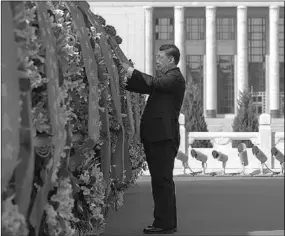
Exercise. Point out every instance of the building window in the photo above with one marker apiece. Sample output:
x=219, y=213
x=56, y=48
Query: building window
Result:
x=226, y=94
x=281, y=39
x=225, y=29
x=256, y=53
x=256, y=39
x=195, y=73
x=195, y=28
x=164, y=29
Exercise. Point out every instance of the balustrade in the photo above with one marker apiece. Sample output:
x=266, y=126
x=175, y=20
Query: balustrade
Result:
x=265, y=140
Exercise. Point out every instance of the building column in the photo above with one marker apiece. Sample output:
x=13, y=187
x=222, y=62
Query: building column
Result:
x=211, y=63
x=274, y=62
x=267, y=109
x=235, y=85
x=179, y=36
x=242, y=51
x=149, y=42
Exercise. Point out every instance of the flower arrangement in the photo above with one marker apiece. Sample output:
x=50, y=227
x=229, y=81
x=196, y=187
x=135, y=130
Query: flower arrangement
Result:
x=59, y=214
x=13, y=222
x=72, y=191
x=89, y=196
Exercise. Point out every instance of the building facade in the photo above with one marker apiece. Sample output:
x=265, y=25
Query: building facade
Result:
x=225, y=47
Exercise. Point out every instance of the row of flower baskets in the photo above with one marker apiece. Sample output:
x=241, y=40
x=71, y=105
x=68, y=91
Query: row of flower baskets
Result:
x=85, y=146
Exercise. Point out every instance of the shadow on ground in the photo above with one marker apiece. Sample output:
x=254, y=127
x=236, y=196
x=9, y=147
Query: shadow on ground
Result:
x=207, y=206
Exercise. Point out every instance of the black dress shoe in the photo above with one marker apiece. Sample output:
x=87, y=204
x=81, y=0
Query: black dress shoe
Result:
x=150, y=226
x=154, y=230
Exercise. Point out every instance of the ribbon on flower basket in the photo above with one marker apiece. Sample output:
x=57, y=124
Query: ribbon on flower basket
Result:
x=91, y=72
x=104, y=118
x=137, y=118
x=133, y=122
x=114, y=85
x=24, y=172
x=10, y=98
x=55, y=111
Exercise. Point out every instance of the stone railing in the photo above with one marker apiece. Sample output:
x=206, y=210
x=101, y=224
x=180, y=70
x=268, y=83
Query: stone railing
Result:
x=265, y=139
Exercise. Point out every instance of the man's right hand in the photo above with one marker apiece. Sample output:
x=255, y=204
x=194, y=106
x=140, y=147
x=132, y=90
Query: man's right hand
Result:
x=128, y=69
x=125, y=66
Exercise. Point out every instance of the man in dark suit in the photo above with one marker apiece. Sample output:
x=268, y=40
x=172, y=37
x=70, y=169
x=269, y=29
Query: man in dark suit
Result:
x=160, y=131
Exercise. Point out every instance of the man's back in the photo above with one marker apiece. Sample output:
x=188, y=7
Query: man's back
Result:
x=160, y=117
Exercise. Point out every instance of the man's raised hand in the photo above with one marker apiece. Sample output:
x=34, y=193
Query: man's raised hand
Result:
x=128, y=69
x=125, y=66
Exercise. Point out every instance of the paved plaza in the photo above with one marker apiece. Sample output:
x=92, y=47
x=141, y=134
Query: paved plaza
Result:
x=208, y=206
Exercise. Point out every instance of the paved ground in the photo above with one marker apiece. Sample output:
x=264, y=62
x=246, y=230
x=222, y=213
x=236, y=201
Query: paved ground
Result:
x=208, y=206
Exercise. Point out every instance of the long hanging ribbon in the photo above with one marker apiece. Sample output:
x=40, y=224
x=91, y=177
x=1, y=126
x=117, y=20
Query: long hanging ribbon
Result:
x=91, y=70
x=55, y=112
x=122, y=58
x=10, y=98
x=24, y=174
x=114, y=80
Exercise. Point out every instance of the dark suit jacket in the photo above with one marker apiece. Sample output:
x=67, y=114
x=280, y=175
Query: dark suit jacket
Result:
x=166, y=92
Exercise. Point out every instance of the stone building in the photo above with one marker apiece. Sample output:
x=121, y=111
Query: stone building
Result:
x=225, y=47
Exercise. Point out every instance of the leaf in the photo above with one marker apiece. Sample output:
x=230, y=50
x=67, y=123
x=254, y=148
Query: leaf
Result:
x=117, y=159
x=76, y=160
x=87, y=146
x=79, y=206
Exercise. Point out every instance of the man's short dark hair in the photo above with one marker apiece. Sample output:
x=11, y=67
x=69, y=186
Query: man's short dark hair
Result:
x=171, y=50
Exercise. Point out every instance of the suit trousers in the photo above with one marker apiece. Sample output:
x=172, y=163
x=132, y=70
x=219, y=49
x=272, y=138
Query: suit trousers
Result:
x=160, y=158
